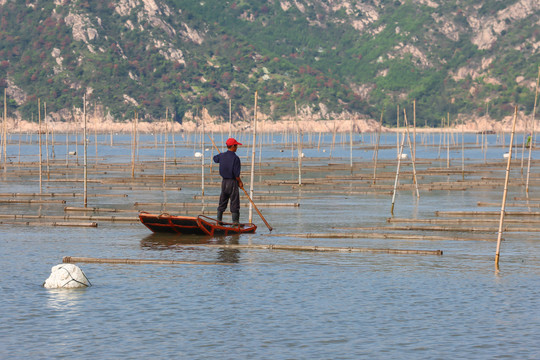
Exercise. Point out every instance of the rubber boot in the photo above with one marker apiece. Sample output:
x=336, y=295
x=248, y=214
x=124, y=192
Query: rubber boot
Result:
x=220, y=217
x=236, y=218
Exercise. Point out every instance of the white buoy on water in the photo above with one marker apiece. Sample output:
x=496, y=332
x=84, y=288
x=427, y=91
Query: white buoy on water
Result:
x=198, y=154
x=506, y=155
x=404, y=156
x=67, y=276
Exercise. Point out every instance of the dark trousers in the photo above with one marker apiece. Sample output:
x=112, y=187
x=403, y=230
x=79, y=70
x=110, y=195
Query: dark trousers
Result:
x=229, y=190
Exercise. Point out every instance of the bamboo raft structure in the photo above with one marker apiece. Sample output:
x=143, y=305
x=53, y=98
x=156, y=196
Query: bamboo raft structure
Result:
x=335, y=177
x=37, y=224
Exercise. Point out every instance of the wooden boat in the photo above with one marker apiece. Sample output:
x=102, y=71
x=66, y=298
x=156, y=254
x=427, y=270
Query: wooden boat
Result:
x=200, y=225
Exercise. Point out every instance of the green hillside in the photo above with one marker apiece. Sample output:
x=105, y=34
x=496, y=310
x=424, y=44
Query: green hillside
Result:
x=331, y=57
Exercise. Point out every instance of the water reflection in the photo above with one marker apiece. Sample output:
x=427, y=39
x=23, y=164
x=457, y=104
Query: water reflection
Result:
x=64, y=299
x=163, y=241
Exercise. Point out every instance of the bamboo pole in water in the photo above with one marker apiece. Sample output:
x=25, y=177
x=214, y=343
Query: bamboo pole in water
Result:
x=40, y=154
x=376, y=153
x=412, y=152
x=298, y=145
x=85, y=164
x=230, y=118
x=173, y=133
x=165, y=146
x=4, y=131
x=203, y=132
x=397, y=131
x=397, y=174
x=47, y=141
x=531, y=143
x=74, y=259
x=448, y=140
x=322, y=248
x=351, y=144
x=414, y=130
x=36, y=223
x=250, y=217
x=133, y=140
x=505, y=192
x=71, y=217
x=462, y=150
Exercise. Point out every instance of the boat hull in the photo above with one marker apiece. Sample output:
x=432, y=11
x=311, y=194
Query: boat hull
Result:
x=191, y=225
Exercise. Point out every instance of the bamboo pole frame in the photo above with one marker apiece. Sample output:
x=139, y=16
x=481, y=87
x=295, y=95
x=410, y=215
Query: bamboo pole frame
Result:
x=531, y=144
x=505, y=192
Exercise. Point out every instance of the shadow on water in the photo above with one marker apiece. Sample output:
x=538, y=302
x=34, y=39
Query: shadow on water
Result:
x=164, y=241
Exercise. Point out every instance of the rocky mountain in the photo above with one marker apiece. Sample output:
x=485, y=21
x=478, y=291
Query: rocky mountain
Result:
x=327, y=59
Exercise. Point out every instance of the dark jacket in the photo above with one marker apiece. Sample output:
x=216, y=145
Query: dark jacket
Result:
x=229, y=164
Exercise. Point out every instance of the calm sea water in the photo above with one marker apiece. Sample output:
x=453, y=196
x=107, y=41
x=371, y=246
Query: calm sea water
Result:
x=274, y=304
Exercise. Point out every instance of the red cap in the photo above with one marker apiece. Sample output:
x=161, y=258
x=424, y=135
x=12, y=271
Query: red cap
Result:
x=231, y=142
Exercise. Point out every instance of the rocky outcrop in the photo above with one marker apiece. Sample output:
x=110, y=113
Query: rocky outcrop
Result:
x=488, y=29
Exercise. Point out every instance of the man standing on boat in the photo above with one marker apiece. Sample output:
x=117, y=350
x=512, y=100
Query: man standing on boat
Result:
x=229, y=169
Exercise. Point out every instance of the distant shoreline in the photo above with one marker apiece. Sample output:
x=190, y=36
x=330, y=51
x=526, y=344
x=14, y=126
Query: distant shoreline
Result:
x=476, y=125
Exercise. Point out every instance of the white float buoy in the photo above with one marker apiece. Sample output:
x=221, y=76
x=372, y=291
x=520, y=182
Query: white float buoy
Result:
x=404, y=156
x=506, y=155
x=198, y=154
x=66, y=276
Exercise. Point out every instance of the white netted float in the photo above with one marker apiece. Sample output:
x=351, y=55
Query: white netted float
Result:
x=66, y=276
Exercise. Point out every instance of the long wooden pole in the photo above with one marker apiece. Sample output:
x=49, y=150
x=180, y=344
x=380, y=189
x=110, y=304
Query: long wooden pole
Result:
x=4, y=137
x=203, y=132
x=298, y=144
x=165, y=146
x=85, y=164
x=412, y=153
x=505, y=192
x=74, y=259
x=40, y=154
x=257, y=209
x=376, y=154
x=250, y=218
x=46, y=141
x=414, y=130
x=531, y=143
x=397, y=174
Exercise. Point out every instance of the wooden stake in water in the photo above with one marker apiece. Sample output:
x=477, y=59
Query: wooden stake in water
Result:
x=173, y=140
x=230, y=117
x=397, y=130
x=412, y=152
x=505, y=192
x=4, y=131
x=39, y=141
x=397, y=175
x=462, y=150
x=47, y=141
x=203, y=132
x=376, y=155
x=85, y=161
x=299, y=145
x=448, y=141
x=165, y=146
x=414, y=131
x=253, y=159
x=351, y=144
x=531, y=143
